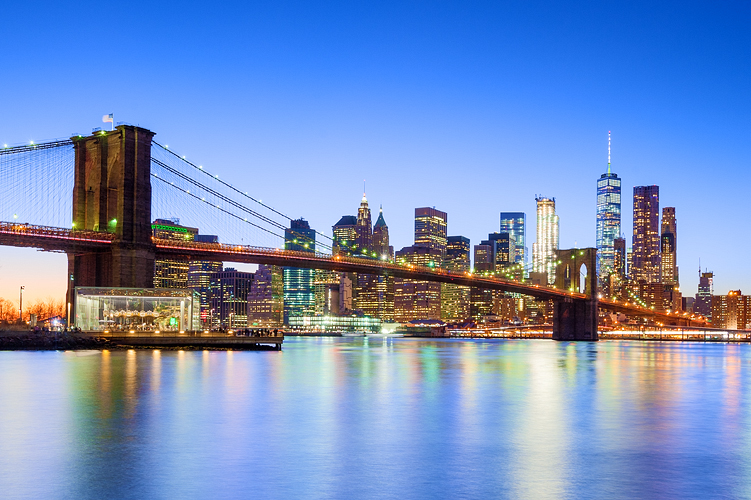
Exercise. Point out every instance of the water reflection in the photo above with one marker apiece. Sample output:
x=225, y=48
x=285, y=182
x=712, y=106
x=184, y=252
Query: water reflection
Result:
x=380, y=417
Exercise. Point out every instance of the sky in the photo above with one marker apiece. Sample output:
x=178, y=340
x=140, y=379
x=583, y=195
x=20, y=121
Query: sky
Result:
x=472, y=107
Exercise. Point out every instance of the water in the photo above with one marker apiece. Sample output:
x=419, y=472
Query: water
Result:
x=386, y=418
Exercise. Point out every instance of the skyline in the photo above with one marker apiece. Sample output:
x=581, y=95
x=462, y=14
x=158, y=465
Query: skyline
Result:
x=392, y=93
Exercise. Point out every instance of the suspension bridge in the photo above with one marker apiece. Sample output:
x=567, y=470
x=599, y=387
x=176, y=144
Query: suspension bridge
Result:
x=123, y=179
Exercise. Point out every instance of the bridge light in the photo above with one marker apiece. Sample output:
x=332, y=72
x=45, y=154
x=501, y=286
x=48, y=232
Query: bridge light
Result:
x=166, y=146
x=5, y=145
x=31, y=142
x=15, y=216
x=200, y=166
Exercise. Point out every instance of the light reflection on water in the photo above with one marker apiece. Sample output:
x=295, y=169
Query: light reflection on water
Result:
x=380, y=418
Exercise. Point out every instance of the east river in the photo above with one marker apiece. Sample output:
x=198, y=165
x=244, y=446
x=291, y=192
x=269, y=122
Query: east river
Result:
x=398, y=418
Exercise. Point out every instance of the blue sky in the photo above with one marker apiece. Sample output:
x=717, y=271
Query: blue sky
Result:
x=471, y=107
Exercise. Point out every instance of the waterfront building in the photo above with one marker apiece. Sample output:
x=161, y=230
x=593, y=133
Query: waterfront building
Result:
x=228, y=297
x=515, y=224
x=171, y=273
x=199, y=279
x=645, y=265
x=703, y=302
x=417, y=299
x=455, y=299
x=266, y=297
x=731, y=311
x=338, y=324
x=430, y=229
x=608, y=221
x=668, y=247
x=324, y=281
x=481, y=300
x=544, y=249
x=299, y=294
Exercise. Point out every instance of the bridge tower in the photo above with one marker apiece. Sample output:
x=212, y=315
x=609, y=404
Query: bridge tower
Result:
x=576, y=319
x=112, y=192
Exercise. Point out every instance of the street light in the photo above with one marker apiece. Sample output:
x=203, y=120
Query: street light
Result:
x=20, y=305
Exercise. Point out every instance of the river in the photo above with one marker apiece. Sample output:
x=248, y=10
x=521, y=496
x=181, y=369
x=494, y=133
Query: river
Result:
x=402, y=418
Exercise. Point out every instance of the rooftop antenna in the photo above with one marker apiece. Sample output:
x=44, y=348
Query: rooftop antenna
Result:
x=608, y=152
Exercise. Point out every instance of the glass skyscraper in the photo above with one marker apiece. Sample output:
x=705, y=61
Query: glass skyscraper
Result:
x=645, y=259
x=299, y=291
x=608, y=222
x=543, y=250
x=515, y=224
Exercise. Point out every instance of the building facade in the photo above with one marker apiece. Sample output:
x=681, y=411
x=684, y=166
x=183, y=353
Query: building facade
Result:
x=668, y=247
x=515, y=224
x=266, y=298
x=544, y=249
x=645, y=259
x=299, y=292
x=703, y=302
x=228, y=297
x=455, y=298
x=417, y=299
x=431, y=229
x=608, y=223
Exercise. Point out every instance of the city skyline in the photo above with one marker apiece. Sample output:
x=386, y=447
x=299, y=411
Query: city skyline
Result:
x=494, y=127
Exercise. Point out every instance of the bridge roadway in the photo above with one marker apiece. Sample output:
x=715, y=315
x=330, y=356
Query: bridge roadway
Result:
x=78, y=241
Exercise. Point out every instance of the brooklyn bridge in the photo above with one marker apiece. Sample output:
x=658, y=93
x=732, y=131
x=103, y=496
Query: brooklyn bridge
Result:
x=93, y=197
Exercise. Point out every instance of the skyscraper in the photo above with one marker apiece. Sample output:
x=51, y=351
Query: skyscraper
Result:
x=417, y=299
x=645, y=259
x=364, y=228
x=266, y=297
x=171, y=273
x=345, y=235
x=543, y=250
x=608, y=220
x=381, y=238
x=430, y=228
x=618, y=277
x=228, y=296
x=515, y=224
x=299, y=295
x=455, y=298
x=703, y=302
x=668, y=247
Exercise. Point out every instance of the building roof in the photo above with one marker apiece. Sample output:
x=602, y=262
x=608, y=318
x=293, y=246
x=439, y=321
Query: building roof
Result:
x=381, y=222
x=347, y=220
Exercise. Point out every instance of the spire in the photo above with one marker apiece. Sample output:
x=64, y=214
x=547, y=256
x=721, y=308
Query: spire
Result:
x=380, y=222
x=608, y=152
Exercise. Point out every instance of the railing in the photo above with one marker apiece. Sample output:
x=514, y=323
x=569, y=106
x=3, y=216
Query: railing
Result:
x=55, y=232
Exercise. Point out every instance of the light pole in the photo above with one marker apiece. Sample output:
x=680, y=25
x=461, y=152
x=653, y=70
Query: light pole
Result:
x=20, y=305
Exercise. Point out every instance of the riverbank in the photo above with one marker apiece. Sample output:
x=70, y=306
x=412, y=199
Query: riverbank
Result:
x=61, y=341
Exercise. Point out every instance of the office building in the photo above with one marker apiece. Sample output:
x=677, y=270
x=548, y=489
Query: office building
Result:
x=608, y=221
x=299, y=293
x=345, y=235
x=417, y=299
x=430, y=229
x=645, y=265
x=228, y=298
x=668, y=246
x=266, y=298
x=455, y=298
x=381, y=243
x=515, y=224
x=615, y=286
x=731, y=311
x=171, y=273
x=544, y=249
x=703, y=302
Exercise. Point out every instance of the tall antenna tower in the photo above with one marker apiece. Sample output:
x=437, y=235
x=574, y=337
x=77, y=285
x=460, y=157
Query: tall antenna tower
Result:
x=608, y=152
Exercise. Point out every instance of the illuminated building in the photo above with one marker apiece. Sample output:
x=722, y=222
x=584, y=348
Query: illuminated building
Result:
x=364, y=229
x=266, y=297
x=199, y=279
x=614, y=286
x=608, y=221
x=515, y=224
x=323, y=281
x=430, y=229
x=345, y=235
x=365, y=295
x=228, y=297
x=731, y=311
x=668, y=247
x=504, y=253
x=417, y=299
x=481, y=300
x=299, y=294
x=381, y=238
x=336, y=323
x=645, y=265
x=703, y=302
x=455, y=298
x=543, y=250
x=169, y=273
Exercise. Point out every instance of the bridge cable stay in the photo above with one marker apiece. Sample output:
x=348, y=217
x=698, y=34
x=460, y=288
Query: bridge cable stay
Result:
x=36, y=183
x=216, y=196
x=231, y=187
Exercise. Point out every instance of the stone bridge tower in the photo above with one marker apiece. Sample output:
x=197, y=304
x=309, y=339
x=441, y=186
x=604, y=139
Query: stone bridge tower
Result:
x=576, y=319
x=112, y=192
